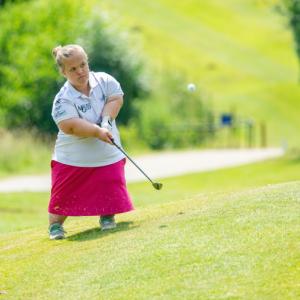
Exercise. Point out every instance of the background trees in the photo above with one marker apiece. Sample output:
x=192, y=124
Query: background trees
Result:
x=29, y=79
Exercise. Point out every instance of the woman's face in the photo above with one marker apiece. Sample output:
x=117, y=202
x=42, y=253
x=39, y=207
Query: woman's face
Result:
x=76, y=70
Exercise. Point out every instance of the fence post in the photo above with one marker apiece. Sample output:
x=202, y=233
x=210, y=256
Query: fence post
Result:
x=250, y=129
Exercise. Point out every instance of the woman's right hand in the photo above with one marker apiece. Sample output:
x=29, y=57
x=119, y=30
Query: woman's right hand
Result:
x=104, y=135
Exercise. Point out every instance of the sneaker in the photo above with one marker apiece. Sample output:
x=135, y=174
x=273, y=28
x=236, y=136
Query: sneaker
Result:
x=56, y=231
x=107, y=222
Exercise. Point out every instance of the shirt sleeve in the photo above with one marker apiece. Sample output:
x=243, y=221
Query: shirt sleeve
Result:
x=63, y=109
x=113, y=87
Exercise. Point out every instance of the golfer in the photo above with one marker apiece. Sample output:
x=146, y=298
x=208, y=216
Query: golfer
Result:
x=87, y=170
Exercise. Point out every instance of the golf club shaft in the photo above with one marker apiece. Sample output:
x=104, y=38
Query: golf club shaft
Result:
x=131, y=160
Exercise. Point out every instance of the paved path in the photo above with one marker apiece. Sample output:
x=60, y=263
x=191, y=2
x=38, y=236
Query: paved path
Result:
x=160, y=165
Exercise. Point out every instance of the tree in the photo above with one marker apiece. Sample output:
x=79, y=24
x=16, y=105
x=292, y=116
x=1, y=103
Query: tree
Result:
x=293, y=13
x=109, y=52
x=4, y=2
x=29, y=79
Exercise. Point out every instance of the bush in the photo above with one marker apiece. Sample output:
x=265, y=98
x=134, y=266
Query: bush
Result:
x=29, y=79
x=173, y=117
x=108, y=50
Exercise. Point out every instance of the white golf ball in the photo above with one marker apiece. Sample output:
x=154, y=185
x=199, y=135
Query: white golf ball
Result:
x=191, y=87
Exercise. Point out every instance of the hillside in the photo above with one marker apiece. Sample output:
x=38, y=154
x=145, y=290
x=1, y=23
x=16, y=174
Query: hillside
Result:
x=238, y=245
x=239, y=53
x=230, y=233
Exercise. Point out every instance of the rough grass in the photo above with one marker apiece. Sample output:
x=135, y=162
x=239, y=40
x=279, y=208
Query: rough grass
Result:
x=230, y=234
x=23, y=152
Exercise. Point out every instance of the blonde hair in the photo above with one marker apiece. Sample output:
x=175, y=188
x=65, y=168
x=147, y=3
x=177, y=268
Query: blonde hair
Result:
x=60, y=53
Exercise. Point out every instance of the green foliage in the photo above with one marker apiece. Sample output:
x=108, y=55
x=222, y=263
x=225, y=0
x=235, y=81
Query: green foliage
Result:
x=28, y=76
x=110, y=50
x=6, y=2
x=293, y=12
x=29, y=79
x=131, y=141
x=174, y=117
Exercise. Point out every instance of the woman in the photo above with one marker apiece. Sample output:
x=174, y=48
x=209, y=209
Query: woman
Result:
x=87, y=170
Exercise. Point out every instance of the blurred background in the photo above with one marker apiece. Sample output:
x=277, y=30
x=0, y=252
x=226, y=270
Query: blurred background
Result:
x=196, y=74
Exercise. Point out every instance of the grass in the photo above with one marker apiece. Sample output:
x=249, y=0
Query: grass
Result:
x=228, y=234
x=32, y=207
x=239, y=53
x=23, y=153
x=21, y=211
x=237, y=246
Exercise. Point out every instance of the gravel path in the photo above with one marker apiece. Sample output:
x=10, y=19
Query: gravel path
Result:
x=159, y=165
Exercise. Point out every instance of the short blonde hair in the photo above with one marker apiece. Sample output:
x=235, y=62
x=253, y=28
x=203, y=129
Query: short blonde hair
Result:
x=61, y=53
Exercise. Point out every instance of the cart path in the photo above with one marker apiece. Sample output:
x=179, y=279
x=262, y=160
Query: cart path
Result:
x=158, y=165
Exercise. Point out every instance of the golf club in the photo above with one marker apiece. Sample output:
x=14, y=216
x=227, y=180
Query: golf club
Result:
x=156, y=185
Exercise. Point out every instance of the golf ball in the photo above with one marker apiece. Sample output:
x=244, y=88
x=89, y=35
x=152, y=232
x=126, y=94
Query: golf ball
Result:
x=191, y=87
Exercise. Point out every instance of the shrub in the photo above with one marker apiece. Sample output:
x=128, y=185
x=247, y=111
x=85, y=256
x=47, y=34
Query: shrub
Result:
x=108, y=50
x=29, y=79
x=173, y=117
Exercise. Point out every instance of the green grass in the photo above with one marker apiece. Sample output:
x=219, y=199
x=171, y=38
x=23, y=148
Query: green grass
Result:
x=241, y=245
x=32, y=206
x=22, y=152
x=20, y=211
x=228, y=234
x=239, y=53
x=25, y=210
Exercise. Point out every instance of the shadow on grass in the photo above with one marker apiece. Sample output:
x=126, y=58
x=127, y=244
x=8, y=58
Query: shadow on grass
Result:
x=96, y=233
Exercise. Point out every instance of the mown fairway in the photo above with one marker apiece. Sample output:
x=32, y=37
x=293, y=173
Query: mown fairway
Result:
x=227, y=242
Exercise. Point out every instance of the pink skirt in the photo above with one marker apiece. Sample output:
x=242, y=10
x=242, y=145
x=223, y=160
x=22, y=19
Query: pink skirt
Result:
x=89, y=191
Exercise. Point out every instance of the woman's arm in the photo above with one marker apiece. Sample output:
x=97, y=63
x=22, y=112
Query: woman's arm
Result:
x=83, y=128
x=112, y=106
x=111, y=110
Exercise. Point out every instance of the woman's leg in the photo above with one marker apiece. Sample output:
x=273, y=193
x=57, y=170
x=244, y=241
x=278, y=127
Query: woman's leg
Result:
x=107, y=222
x=56, y=219
x=56, y=230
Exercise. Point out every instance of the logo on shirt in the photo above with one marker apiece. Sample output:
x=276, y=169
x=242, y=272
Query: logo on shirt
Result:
x=59, y=113
x=84, y=107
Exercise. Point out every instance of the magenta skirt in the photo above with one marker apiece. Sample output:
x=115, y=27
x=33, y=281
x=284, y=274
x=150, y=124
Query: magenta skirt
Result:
x=89, y=191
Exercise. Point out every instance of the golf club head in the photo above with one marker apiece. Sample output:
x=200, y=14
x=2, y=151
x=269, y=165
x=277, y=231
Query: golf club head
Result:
x=157, y=185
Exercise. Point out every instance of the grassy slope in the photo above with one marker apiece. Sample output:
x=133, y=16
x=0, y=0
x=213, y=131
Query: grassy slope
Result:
x=229, y=241
x=240, y=53
x=242, y=245
x=19, y=211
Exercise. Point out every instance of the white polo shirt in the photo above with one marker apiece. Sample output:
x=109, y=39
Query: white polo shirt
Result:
x=70, y=103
